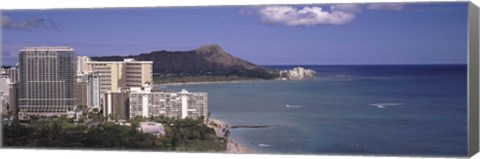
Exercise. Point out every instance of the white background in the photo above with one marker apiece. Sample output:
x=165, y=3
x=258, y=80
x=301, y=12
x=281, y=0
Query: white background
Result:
x=90, y=154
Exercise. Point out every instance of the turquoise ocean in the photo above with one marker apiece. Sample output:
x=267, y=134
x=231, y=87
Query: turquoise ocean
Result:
x=414, y=110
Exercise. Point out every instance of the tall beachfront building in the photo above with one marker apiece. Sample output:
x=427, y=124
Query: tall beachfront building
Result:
x=146, y=103
x=121, y=74
x=137, y=72
x=47, y=81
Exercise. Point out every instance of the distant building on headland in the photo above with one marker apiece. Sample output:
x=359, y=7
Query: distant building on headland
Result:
x=183, y=104
x=297, y=73
x=46, y=81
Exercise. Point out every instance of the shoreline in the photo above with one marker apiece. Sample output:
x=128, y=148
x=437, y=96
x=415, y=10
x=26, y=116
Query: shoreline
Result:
x=223, y=82
x=210, y=82
x=232, y=145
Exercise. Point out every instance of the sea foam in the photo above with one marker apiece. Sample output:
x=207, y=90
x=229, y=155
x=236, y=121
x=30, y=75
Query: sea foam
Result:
x=383, y=105
x=264, y=145
x=293, y=106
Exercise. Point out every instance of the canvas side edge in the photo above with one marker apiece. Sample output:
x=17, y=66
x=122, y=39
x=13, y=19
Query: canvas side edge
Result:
x=473, y=79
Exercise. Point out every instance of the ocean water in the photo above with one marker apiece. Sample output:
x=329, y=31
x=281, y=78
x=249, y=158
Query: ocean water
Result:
x=414, y=110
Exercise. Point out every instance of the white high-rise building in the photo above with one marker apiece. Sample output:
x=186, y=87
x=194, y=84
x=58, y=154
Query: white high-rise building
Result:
x=183, y=104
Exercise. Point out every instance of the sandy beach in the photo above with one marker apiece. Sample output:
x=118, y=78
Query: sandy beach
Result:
x=232, y=145
x=218, y=125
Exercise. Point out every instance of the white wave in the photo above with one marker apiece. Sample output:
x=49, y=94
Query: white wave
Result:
x=383, y=105
x=293, y=106
x=264, y=145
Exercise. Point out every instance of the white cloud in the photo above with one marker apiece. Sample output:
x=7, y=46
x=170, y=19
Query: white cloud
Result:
x=386, y=6
x=339, y=14
x=351, y=8
x=308, y=16
x=28, y=24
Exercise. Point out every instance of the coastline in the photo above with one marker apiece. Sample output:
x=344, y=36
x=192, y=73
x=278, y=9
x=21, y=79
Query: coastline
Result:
x=210, y=82
x=232, y=145
x=219, y=126
x=222, y=82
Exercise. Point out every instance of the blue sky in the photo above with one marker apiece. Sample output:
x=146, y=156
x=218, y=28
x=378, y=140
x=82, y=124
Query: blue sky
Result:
x=386, y=33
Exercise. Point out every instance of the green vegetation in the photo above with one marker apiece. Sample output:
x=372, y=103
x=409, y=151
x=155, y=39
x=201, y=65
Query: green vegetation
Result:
x=209, y=60
x=201, y=78
x=61, y=132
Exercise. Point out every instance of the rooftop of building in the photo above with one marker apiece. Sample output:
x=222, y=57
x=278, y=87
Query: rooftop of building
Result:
x=126, y=60
x=152, y=127
x=48, y=48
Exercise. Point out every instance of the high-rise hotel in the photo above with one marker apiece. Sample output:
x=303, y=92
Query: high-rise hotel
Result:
x=47, y=81
x=121, y=74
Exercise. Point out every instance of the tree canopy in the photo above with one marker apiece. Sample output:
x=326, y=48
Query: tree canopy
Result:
x=181, y=135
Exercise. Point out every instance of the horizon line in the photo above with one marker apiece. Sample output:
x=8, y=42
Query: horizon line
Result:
x=362, y=64
x=338, y=64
